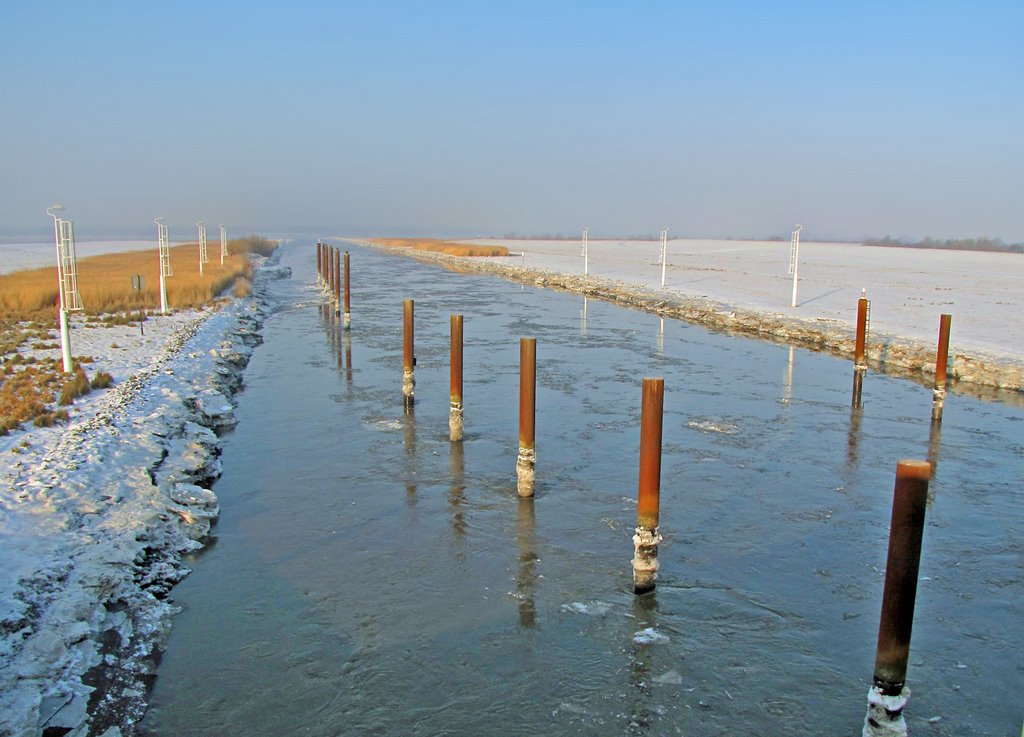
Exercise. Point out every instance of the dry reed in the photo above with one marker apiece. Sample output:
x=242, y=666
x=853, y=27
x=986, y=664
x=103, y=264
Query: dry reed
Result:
x=441, y=246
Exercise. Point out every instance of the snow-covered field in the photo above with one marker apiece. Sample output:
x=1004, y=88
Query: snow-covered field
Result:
x=96, y=514
x=744, y=286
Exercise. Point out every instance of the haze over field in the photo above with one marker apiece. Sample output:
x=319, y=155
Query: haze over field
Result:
x=459, y=119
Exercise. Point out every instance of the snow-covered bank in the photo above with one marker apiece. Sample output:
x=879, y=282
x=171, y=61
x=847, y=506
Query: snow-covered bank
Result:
x=96, y=516
x=742, y=287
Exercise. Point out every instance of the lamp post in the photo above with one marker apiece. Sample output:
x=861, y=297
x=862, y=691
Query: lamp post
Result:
x=164, y=250
x=65, y=335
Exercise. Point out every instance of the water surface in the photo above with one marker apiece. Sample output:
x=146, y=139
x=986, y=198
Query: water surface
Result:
x=369, y=577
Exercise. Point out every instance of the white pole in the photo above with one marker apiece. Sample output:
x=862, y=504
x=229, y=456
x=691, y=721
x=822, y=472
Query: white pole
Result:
x=65, y=333
x=664, y=253
x=794, y=253
x=223, y=243
x=586, y=254
x=165, y=261
x=202, y=246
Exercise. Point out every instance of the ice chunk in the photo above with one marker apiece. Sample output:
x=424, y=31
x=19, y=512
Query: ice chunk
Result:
x=650, y=636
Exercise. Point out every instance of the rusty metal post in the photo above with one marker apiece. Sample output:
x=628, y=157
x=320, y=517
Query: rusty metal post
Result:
x=941, y=362
x=348, y=304
x=860, y=349
x=337, y=281
x=330, y=270
x=860, y=362
x=319, y=261
x=323, y=274
x=527, y=459
x=888, y=694
x=408, y=359
x=646, y=539
x=326, y=275
x=455, y=413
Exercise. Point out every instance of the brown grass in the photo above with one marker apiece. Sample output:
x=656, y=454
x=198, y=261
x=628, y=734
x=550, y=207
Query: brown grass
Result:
x=75, y=386
x=441, y=246
x=24, y=395
x=28, y=312
x=105, y=281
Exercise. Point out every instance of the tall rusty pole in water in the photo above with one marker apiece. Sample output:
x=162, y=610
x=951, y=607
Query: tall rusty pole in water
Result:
x=337, y=282
x=319, y=262
x=888, y=694
x=860, y=349
x=860, y=363
x=647, y=537
x=455, y=413
x=348, y=300
x=408, y=358
x=527, y=458
x=941, y=363
x=328, y=271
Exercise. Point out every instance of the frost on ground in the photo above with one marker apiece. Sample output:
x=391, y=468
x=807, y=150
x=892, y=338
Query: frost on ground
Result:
x=742, y=287
x=96, y=516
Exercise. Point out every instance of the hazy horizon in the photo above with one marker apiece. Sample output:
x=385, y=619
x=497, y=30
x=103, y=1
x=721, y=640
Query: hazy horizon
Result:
x=452, y=119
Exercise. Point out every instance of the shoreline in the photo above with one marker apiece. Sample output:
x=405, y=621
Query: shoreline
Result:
x=98, y=516
x=977, y=373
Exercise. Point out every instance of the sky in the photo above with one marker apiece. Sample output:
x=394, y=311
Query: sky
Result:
x=737, y=118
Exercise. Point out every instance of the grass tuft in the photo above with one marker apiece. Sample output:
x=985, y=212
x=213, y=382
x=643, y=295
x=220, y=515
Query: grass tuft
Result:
x=75, y=387
x=102, y=380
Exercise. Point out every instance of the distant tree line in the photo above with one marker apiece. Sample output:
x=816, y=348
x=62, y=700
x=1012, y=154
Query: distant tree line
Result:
x=951, y=244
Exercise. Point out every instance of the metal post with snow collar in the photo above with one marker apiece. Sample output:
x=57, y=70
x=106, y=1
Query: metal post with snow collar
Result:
x=348, y=300
x=860, y=364
x=408, y=357
x=337, y=282
x=647, y=537
x=860, y=347
x=941, y=364
x=455, y=413
x=888, y=694
x=330, y=270
x=527, y=458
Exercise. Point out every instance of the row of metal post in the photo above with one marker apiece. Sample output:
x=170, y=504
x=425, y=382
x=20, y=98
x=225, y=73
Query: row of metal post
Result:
x=888, y=694
x=860, y=364
x=334, y=278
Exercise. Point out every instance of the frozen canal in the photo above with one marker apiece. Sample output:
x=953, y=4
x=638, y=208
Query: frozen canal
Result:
x=370, y=578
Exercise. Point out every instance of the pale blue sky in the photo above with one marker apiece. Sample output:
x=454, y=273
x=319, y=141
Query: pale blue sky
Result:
x=715, y=118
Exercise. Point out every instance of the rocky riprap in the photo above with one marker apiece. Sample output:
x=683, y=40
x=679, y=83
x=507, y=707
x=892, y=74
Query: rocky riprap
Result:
x=120, y=497
x=978, y=373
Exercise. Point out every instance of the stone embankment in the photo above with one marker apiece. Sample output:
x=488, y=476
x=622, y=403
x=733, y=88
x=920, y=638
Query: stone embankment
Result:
x=973, y=372
x=113, y=506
